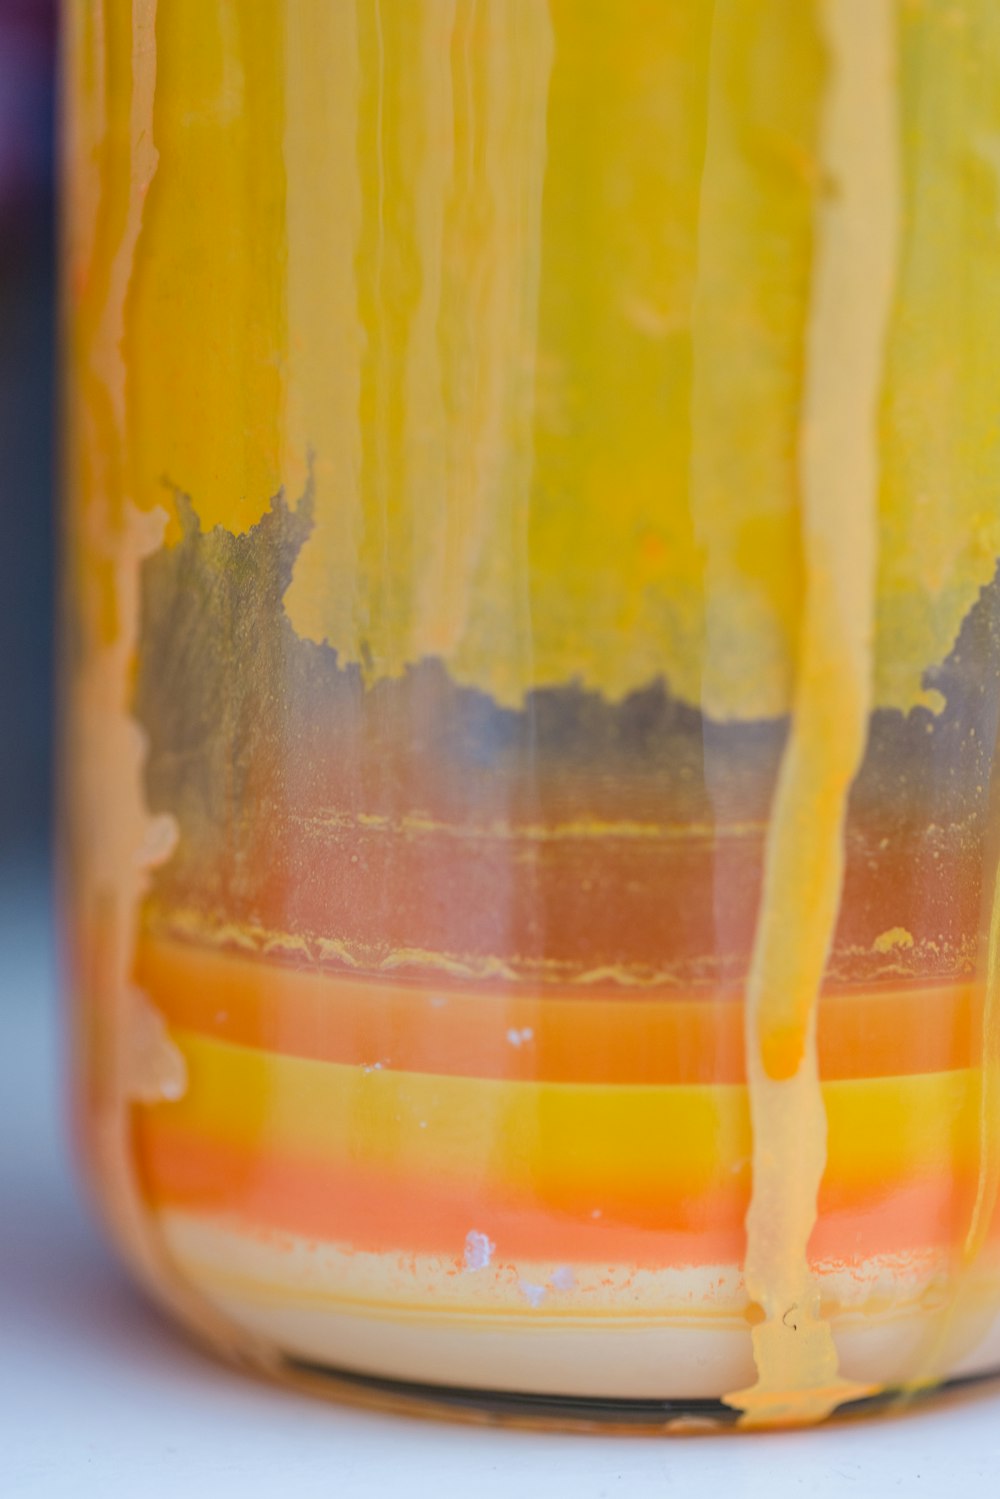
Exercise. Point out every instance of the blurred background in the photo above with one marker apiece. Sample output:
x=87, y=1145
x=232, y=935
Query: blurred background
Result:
x=27, y=457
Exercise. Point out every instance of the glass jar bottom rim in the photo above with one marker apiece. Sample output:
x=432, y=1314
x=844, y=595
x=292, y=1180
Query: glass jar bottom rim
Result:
x=583, y=1414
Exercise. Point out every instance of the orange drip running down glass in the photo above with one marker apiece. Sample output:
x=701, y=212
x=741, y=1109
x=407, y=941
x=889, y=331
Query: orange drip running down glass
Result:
x=533, y=679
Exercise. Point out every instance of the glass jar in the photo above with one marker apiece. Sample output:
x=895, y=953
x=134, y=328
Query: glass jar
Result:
x=533, y=670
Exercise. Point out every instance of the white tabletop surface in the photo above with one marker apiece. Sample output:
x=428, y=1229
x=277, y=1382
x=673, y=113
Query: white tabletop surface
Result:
x=100, y=1397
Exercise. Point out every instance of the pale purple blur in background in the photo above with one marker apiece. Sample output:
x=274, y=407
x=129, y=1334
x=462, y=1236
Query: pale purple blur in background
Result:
x=27, y=459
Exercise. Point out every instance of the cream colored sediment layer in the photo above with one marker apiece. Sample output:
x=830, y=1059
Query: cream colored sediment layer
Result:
x=477, y=1320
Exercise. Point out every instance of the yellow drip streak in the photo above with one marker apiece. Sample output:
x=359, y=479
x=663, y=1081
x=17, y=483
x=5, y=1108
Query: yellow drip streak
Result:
x=325, y=337
x=856, y=234
x=115, y=841
x=112, y=828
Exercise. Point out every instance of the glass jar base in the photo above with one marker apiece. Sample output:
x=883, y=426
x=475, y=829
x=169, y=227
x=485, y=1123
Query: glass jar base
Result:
x=607, y=1416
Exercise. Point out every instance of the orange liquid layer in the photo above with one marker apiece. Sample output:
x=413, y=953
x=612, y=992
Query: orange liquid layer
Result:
x=268, y=1194
x=585, y=1034
x=398, y=1115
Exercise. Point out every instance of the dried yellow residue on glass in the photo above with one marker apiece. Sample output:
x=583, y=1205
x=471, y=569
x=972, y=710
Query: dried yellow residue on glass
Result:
x=460, y=255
